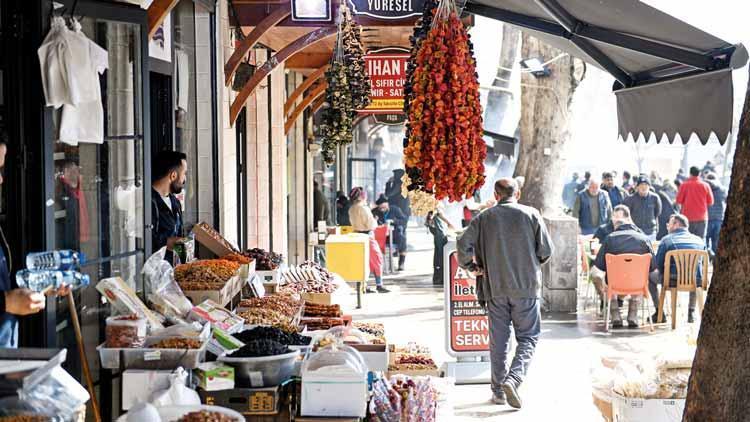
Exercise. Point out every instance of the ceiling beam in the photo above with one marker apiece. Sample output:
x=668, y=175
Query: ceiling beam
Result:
x=260, y=73
x=306, y=101
x=307, y=83
x=317, y=104
x=157, y=11
x=249, y=41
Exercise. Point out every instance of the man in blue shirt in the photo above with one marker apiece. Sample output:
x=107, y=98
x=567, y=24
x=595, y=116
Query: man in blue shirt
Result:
x=679, y=238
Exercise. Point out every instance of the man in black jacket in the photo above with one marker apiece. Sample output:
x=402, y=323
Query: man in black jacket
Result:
x=169, y=175
x=645, y=207
x=384, y=212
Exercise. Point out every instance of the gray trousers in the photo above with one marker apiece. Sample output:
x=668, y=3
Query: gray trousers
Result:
x=654, y=280
x=524, y=315
x=699, y=228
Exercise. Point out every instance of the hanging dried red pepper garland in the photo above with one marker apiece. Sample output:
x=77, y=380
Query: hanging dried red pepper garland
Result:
x=445, y=140
x=348, y=87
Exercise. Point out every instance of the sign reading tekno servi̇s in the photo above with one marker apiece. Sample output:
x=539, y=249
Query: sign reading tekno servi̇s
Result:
x=387, y=9
x=468, y=326
x=387, y=70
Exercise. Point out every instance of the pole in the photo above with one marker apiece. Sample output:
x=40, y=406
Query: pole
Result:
x=82, y=353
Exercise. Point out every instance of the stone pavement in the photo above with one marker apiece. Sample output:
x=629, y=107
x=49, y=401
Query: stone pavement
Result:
x=558, y=387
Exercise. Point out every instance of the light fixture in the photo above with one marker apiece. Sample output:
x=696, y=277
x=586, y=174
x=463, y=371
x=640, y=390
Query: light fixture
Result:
x=536, y=67
x=311, y=10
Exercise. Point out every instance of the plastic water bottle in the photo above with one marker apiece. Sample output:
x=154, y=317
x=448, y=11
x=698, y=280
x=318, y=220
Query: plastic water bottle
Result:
x=63, y=260
x=39, y=280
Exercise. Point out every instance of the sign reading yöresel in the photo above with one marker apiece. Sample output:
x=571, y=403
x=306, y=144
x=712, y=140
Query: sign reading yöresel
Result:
x=467, y=322
x=387, y=71
x=387, y=9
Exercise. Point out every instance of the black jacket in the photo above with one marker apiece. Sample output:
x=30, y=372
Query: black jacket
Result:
x=167, y=223
x=645, y=211
x=667, y=209
x=625, y=239
x=394, y=213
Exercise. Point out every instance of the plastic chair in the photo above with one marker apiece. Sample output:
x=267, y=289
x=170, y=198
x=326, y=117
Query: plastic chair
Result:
x=627, y=274
x=686, y=263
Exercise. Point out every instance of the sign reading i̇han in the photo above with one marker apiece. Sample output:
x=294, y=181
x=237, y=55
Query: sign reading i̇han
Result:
x=469, y=328
x=387, y=71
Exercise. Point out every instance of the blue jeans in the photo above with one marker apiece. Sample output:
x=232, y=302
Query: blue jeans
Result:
x=525, y=317
x=712, y=237
x=8, y=330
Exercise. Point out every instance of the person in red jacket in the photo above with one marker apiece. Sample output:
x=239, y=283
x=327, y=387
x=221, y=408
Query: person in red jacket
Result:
x=694, y=198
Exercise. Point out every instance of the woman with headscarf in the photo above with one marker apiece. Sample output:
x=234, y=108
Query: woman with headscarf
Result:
x=362, y=221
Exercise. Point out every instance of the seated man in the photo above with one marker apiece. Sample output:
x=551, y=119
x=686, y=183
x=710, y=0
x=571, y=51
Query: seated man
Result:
x=678, y=238
x=626, y=238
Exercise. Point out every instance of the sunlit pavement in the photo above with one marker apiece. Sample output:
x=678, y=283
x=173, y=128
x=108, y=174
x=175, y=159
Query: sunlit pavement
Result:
x=558, y=386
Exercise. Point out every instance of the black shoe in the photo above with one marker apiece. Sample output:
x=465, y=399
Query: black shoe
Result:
x=369, y=290
x=382, y=289
x=617, y=324
x=632, y=324
x=511, y=395
x=654, y=318
x=400, y=268
x=691, y=316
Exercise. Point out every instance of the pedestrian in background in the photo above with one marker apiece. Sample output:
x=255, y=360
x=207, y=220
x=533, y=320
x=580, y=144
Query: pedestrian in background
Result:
x=592, y=208
x=645, y=207
x=694, y=198
x=616, y=194
x=715, y=212
x=570, y=192
x=506, y=245
x=364, y=222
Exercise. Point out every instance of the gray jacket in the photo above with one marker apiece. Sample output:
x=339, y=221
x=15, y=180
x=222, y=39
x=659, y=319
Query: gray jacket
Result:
x=510, y=243
x=645, y=211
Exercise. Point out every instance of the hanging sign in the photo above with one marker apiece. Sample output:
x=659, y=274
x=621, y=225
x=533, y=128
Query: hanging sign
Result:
x=466, y=322
x=387, y=71
x=390, y=118
x=387, y=9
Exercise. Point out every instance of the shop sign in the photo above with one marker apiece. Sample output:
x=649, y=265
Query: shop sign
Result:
x=390, y=118
x=311, y=10
x=387, y=71
x=387, y=9
x=468, y=325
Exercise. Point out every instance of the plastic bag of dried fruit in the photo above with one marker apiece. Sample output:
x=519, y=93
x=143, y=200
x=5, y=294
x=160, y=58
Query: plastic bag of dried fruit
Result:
x=385, y=404
x=161, y=288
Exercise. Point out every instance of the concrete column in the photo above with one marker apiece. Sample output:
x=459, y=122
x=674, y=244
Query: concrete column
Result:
x=559, y=290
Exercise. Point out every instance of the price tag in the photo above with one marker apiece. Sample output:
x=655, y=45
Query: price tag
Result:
x=153, y=355
x=256, y=379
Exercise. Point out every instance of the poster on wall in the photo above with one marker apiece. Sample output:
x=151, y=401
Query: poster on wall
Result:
x=160, y=45
x=466, y=322
x=387, y=71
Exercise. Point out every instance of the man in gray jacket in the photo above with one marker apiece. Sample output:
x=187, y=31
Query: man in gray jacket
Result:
x=645, y=207
x=505, y=247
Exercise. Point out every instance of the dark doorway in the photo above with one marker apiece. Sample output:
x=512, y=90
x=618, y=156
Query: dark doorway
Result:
x=161, y=112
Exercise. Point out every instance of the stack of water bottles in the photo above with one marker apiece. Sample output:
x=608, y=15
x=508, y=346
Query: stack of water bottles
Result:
x=51, y=270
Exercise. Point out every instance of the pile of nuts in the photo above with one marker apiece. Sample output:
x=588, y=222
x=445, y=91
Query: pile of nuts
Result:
x=238, y=258
x=209, y=274
x=314, y=324
x=281, y=303
x=412, y=361
x=318, y=310
x=268, y=317
x=178, y=343
x=206, y=416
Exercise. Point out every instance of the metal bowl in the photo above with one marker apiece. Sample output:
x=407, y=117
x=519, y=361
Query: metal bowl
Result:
x=266, y=371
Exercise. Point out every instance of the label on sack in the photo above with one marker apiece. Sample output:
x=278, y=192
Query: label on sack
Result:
x=256, y=379
x=153, y=355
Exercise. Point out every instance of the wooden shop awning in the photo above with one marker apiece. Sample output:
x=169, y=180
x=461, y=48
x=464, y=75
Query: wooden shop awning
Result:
x=672, y=78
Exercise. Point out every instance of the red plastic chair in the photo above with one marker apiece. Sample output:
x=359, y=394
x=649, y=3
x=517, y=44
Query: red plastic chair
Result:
x=381, y=235
x=627, y=274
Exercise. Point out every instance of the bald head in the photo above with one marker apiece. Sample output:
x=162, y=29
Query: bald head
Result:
x=505, y=189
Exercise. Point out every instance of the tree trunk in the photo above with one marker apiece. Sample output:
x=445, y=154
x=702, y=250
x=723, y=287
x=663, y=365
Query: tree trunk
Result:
x=720, y=380
x=498, y=100
x=545, y=121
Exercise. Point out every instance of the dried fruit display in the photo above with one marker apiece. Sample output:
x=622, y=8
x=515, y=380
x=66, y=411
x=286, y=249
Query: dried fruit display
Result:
x=373, y=328
x=177, y=343
x=348, y=87
x=318, y=310
x=282, y=303
x=420, y=202
x=445, y=152
x=209, y=273
x=275, y=334
x=268, y=317
x=206, y=416
x=259, y=348
x=415, y=359
x=264, y=260
x=238, y=258
x=315, y=324
x=308, y=278
x=125, y=331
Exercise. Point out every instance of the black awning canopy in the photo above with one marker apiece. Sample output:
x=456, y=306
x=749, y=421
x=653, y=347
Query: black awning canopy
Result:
x=656, y=59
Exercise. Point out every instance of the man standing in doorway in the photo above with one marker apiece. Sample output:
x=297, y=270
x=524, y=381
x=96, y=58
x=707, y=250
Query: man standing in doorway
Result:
x=694, y=198
x=592, y=208
x=507, y=245
x=645, y=207
x=169, y=174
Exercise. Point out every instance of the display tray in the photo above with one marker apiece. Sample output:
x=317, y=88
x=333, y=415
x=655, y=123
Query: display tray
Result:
x=147, y=358
x=225, y=295
x=247, y=401
x=172, y=413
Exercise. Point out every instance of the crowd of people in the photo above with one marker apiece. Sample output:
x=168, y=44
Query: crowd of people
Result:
x=684, y=214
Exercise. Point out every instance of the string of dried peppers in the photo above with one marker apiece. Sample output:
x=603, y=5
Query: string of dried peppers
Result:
x=445, y=144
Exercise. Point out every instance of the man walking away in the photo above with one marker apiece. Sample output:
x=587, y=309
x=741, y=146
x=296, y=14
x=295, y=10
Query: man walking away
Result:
x=616, y=194
x=508, y=244
x=592, y=208
x=694, y=198
x=569, y=192
x=626, y=184
x=715, y=211
x=626, y=239
x=645, y=207
x=679, y=238
x=584, y=183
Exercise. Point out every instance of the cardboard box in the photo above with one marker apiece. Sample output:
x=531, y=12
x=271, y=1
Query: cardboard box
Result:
x=212, y=240
x=218, y=316
x=214, y=376
x=139, y=384
x=604, y=406
x=375, y=356
x=647, y=410
x=223, y=296
x=247, y=401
